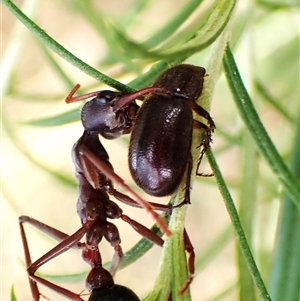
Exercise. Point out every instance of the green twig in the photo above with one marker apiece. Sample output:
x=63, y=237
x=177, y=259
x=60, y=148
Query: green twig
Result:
x=63, y=52
x=238, y=228
x=256, y=128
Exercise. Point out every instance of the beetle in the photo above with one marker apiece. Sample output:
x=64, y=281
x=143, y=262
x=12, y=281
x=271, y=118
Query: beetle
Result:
x=161, y=129
x=161, y=138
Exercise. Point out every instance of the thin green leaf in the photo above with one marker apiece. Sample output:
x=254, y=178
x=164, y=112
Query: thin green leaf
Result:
x=258, y=132
x=56, y=67
x=56, y=120
x=173, y=266
x=12, y=294
x=149, y=77
x=188, y=45
x=274, y=5
x=247, y=212
x=205, y=29
x=135, y=10
x=61, y=278
x=102, y=25
x=166, y=32
x=238, y=227
x=58, y=175
x=61, y=51
x=285, y=275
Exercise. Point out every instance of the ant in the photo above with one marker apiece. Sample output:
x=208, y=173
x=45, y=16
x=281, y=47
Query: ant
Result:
x=112, y=114
x=163, y=123
x=94, y=208
x=154, y=162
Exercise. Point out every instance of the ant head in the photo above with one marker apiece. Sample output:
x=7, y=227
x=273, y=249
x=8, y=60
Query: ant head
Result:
x=98, y=114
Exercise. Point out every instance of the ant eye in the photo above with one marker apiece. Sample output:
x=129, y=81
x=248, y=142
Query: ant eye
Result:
x=106, y=96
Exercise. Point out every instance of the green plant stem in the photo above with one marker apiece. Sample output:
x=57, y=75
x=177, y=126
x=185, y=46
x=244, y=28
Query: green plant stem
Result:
x=256, y=128
x=238, y=228
x=247, y=211
x=62, y=52
x=164, y=33
x=187, y=42
x=285, y=275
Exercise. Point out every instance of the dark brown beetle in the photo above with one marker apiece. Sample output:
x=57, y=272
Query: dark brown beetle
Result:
x=160, y=144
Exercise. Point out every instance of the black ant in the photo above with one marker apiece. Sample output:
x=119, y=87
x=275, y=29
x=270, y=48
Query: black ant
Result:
x=162, y=124
x=112, y=114
x=94, y=208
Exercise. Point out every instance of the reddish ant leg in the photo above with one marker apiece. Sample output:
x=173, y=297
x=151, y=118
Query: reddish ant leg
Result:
x=129, y=201
x=191, y=262
x=66, y=242
x=110, y=174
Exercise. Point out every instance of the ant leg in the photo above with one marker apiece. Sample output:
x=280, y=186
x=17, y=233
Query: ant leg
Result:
x=66, y=242
x=112, y=235
x=129, y=201
x=125, y=99
x=144, y=231
x=109, y=173
x=50, y=231
x=117, y=259
x=147, y=233
x=191, y=262
x=60, y=290
x=33, y=285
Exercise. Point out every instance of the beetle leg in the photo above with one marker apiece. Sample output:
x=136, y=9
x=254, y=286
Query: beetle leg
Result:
x=187, y=187
x=203, y=113
x=205, y=144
